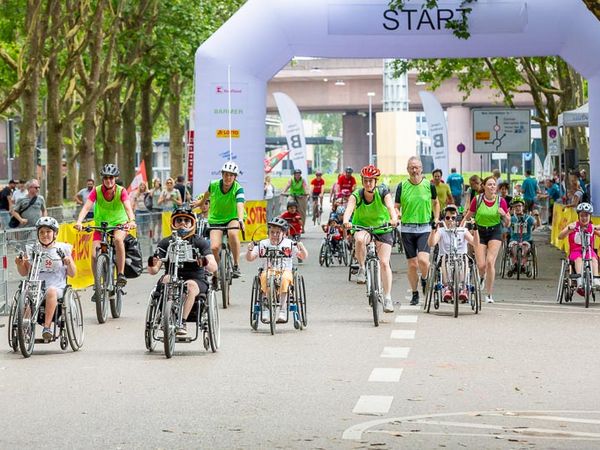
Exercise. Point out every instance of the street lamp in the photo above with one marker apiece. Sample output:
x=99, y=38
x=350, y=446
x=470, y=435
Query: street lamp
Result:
x=370, y=134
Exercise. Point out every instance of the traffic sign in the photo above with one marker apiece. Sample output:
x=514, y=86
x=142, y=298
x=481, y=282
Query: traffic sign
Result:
x=460, y=148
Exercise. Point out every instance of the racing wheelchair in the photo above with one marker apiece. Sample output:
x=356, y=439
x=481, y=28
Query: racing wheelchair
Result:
x=27, y=311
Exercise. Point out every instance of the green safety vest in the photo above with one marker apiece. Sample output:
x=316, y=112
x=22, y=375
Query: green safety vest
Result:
x=113, y=212
x=223, y=206
x=373, y=214
x=416, y=202
x=487, y=216
x=297, y=187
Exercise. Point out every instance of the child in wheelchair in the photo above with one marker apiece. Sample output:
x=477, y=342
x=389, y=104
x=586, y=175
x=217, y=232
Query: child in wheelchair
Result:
x=576, y=250
x=521, y=227
x=184, y=222
x=335, y=233
x=294, y=219
x=442, y=234
x=56, y=264
x=277, y=229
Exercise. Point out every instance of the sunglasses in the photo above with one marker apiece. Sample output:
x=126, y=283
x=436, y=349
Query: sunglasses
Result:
x=108, y=177
x=182, y=220
x=450, y=217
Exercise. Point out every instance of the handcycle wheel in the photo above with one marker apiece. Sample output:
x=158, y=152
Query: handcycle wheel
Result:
x=455, y=286
x=223, y=279
x=328, y=258
x=168, y=326
x=430, y=287
x=534, y=269
x=272, y=305
x=519, y=260
x=560, y=291
x=301, y=300
x=505, y=258
x=116, y=303
x=101, y=280
x=373, y=288
x=152, y=312
x=474, y=292
x=214, y=324
x=26, y=323
x=255, y=303
x=13, y=339
x=587, y=283
x=73, y=319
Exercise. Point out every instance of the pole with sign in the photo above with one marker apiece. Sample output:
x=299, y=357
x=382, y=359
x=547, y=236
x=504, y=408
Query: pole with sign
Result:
x=460, y=148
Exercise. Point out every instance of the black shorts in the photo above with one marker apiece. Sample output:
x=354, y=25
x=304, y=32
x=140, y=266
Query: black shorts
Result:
x=220, y=225
x=200, y=282
x=487, y=234
x=414, y=243
x=386, y=238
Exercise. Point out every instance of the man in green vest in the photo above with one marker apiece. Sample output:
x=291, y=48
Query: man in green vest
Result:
x=111, y=205
x=416, y=199
x=298, y=191
x=226, y=210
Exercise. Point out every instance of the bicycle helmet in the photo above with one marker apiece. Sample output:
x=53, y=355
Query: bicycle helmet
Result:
x=585, y=207
x=110, y=170
x=278, y=222
x=231, y=167
x=47, y=221
x=297, y=171
x=184, y=211
x=517, y=200
x=452, y=208
x=292, y=203
x=349, y=169
x=370, y=171
x=318, y=172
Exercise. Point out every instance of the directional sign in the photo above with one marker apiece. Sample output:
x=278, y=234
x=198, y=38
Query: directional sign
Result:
x=553, y=141
x=501, y=130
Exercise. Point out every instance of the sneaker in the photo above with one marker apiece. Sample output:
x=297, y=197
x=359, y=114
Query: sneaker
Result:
x=463, y=296
x=448, y=295
x=121, y=280
x=361, y=278
x=388, y=306
x=182, y=330
x=265, y=315
x=423, y=284
x=47, y=334
x=489, y=299
x=415, y=298
x=282, y=316
x=235, y=273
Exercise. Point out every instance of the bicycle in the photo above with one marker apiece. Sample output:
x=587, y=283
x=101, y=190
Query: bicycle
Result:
x=373, y=271
x=317, y=209
x=165, y=306
x=28, y=310
x=105, y=274
x=225, y=277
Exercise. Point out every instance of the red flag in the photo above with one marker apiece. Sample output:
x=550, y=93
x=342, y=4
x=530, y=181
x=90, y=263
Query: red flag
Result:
x=140, y=176
x=271, y=162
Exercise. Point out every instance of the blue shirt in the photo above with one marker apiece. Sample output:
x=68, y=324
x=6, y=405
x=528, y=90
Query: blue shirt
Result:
x=528, y=222
x=529, y=188
x=455, y=181
x=553, y=193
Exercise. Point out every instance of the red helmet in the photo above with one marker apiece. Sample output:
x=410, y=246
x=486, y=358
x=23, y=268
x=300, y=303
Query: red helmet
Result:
x=370, y=171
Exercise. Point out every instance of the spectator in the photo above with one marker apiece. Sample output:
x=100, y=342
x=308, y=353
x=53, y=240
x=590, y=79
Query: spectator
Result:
x=20, y=192
x=474, y=188
x=530, y=191
x=82, y=196
x=497, y=176
x=183, y=192
x=138, y=203
x=169, y=197
x=504, y=188
x=574, y=194
x=6, y=194
x=583, y=180
x=269, y=194
x=29, y=209
x=553, y=196
x=154, y=194
x=456, y=182
x=444, y=195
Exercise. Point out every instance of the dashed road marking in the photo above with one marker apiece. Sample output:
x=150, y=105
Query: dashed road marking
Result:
x=409, y=318
x=385, y=375
x=395, y=352
x=403, y=334
x=373, y=405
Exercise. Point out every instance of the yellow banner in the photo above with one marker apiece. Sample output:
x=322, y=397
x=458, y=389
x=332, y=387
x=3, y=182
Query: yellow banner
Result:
x=562, y=217
x=256, y=220
x=82, y=254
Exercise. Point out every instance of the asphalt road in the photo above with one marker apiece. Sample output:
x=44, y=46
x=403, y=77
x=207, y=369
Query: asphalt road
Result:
x=522, y=374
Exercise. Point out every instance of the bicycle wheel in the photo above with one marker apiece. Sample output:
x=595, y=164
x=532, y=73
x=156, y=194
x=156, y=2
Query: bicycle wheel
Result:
x=73, y=319
x=456, y=286
x=587, y=283
x=328, y=256
x=168, y=326
x=301, y=300
x=26, y=323
x=223, y=279
x=519, y=261
x=430, y=286
x=475, y=293
x=116, y=303
x=272, y=304
x=214, y=325
x=255, y=303
x=100, y=283
x=373, y=288
x=152, y=318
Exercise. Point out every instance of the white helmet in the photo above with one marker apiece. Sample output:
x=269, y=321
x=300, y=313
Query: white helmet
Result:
x=47, y=221
x=585, y=207
x=230, y=167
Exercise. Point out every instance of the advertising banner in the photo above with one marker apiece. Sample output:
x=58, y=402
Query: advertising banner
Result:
x=294, y=130
x=438, y=130
x=562, y=217
x=82, y=254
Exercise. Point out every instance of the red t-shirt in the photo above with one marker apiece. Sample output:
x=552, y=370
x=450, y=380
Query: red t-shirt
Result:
x=346, y=183
x=294, y=221
x=124, y=194
x=317, y=185
x=473, y=207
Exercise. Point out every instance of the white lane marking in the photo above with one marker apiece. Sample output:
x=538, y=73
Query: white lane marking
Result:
x=385, y=375
x=403, y=334
x=409, y=318
x=395, y=352
x=555, y=419
x=550, y=311
x=493, y=436
x=376, y=405
x=409, y=307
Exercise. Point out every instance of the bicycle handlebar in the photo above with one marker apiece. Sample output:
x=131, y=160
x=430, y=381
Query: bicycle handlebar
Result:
x=370, y=230
x=104, y=229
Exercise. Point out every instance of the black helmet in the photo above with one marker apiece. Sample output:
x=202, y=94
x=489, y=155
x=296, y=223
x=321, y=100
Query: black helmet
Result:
x=292, y=203
x=184, y=211
x=279, y=222
x=297, y=171
x=349, y=169
x=110, y=170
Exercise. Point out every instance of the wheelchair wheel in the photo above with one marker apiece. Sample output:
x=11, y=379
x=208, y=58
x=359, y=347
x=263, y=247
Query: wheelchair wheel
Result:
x=152, y=319
x=328, y=256
x=301, y=300
x=505, y=258
x=255, y=306
x=26, y=324
x=322, y=253
x=534, y=262
x=456, y=286
x=353, y=267
x=73, y=319
x=116, y=303
x=214, y=325
x=101, y=281
x=13, y=339
x=168, y=326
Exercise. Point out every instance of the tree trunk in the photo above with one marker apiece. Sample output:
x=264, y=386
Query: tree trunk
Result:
x=112, y=114
x=176, y=128
x=54, y=126
x=146, y=124
x=72, y=181
x=127, y=160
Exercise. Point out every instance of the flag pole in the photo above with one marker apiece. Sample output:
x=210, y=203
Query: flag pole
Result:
x=229, y=106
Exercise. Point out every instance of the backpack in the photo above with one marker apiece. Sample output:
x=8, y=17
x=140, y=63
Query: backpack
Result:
x=133, y=257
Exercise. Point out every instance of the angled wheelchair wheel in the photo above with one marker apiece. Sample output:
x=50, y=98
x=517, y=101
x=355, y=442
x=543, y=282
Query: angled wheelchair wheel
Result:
x=13, y=339
x=430, y=287
x=255, y=303
x=474, y=288
x=345, y=252
x=214, y=324
x=322, y=253
x=73, y=318
x=26, y=323
x=505, y=258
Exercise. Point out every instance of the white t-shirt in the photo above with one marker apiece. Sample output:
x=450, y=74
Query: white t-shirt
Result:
x=446, y=241
x=18, y=194
x=52, y=270
x=269, y=192
x=286, y=245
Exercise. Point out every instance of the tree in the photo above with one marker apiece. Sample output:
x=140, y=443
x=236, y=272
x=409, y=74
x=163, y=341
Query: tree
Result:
x=594, y=7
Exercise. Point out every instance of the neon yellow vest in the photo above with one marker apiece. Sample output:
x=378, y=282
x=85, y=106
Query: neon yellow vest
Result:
x=112, y=212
